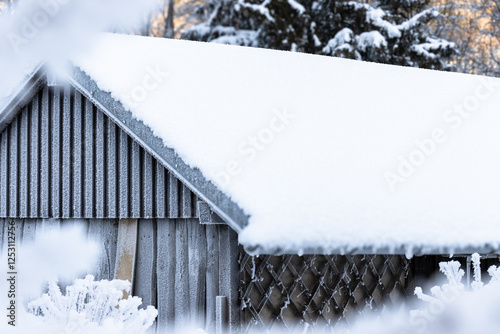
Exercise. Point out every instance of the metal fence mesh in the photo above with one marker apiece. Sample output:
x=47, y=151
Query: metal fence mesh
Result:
x=292, y=292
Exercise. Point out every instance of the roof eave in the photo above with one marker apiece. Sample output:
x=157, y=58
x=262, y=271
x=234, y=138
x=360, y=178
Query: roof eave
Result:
x=399, y=250
x=193, y=178
x=22, y=95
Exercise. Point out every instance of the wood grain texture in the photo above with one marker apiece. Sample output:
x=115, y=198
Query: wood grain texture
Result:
x=229, y=275
x=182, y=297
x=197, y=270
x=145, y=269
x=126, y=250
x=104, y=233
x=212, y=276
x=165, y=264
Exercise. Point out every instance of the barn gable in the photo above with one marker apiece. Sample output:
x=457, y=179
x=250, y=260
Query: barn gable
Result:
x=62, y=157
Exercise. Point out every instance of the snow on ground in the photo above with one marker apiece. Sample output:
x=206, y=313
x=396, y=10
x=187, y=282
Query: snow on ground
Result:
x=319, y=151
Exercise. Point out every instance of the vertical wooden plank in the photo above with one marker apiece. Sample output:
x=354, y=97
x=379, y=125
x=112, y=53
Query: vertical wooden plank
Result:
x=173, y=196
x=145, y=271
x=4, y=233
x=229, y=274
x=13, y=169
x=105, y=234
x=47, y=225
x=123, y=163
x=35, y=158
x=111, y=243
x=147, y=186
x=66, y=154
x=82, y=224
x=182, y=298
x=89, y=183
x=126, y=250
x=135, y=180
x=161, y=188
x=99, y=184
x=186, y=204
x=197, y=245
x=2, y=226
x=166, y=268
x=45, y=155
x=78, y=143
x=96, y=234
x=4, y=171
x=29, y=231
x=112, y=170
x=23, y=165
x=221, y=314
x=212, y=276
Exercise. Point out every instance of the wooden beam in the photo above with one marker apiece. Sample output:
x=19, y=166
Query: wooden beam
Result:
x=126, y=250
x=207, y=216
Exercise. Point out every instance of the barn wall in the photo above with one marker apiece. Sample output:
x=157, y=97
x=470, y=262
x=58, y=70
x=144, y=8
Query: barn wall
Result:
x=194, y=264
x=181, y=265
x=62, y=157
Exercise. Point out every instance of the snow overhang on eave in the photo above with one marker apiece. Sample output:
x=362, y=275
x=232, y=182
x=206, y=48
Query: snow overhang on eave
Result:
x=407, y=250
x=218, y=201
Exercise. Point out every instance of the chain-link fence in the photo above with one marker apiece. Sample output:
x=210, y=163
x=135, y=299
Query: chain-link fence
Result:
x=292, y=292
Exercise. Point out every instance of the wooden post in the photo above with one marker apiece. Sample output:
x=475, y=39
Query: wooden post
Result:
x=126, y=250
x=221, y=321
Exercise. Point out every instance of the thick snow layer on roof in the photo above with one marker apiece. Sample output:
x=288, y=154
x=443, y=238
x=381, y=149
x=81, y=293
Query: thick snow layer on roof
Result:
x=322, y=153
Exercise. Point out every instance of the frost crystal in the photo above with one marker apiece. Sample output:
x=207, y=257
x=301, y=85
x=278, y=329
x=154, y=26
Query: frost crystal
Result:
x=91, y=306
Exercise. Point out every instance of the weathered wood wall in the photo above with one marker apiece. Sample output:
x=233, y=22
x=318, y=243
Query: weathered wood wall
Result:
x=181, y=265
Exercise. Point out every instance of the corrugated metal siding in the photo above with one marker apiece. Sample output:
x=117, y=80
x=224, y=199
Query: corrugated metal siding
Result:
x=61, y=157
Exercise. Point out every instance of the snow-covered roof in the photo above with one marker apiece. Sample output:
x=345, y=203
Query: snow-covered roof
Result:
x=318, y=154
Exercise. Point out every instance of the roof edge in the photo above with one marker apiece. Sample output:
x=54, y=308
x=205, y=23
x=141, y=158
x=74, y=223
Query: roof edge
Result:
x=409, y=251
x=193, y=178
x=23, y=94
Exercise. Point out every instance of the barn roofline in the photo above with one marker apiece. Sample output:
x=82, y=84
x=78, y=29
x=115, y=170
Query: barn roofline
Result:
x=219, y=202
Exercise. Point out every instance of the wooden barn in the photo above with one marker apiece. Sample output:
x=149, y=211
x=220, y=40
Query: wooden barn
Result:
x=84, y=149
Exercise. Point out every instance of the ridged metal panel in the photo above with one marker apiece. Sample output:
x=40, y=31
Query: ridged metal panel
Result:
x=24, y=163
x=55, y=134
x=13, y=168
x=4, y=165
x=61, y=157
x=34, y=148
x=44, y=171
x=66, y=154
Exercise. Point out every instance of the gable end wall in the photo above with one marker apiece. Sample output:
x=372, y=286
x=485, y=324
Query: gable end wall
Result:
x=62, y=157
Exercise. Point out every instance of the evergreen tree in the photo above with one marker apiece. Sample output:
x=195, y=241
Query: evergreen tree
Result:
x=386, y=31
